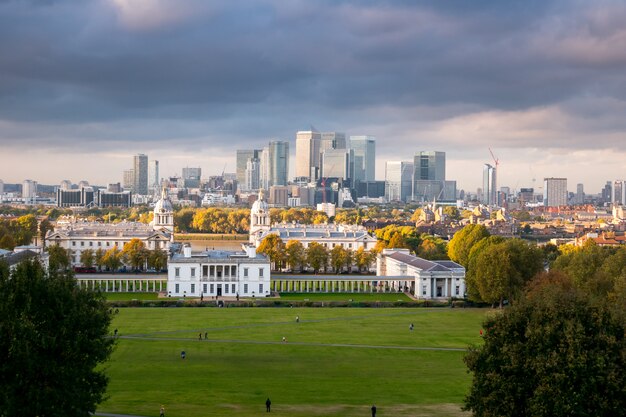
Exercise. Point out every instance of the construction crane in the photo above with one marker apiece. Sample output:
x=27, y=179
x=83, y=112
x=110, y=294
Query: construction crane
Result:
x=496, y=161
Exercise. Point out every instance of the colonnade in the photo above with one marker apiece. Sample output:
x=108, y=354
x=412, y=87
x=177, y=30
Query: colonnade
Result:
x=326, y=284
x=124, y=284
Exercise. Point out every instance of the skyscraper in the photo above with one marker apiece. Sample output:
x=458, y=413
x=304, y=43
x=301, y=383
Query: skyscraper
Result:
x=580, y=194
x=337, y=163
x=278, y=160
x=554, y=192
x=252, y=174
x=308, y=154
x=398, y=180
x=243, y=155
x=618, y=196
x=489, y=185
x=429, y=177
x=153, y=177
x=330, y=140
x=364, y=148
x=29, y=191
x=128, y=180
x=140, y=166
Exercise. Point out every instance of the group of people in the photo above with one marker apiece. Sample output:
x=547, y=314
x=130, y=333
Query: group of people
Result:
x=206, y=336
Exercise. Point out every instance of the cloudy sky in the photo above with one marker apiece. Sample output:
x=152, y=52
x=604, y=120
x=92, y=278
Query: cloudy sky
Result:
x=86, y=84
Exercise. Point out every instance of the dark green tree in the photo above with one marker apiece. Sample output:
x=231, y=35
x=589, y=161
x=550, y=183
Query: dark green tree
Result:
x=44, y=227
x=59, y=258
x=157, y=259
x=554, y=353
x=53, y=340
x=87, y=258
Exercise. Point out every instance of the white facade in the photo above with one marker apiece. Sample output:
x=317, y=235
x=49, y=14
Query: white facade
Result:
x=554, y=192
x=432, y=279
x=78, y=236
x=329, y=235
x=218, y=273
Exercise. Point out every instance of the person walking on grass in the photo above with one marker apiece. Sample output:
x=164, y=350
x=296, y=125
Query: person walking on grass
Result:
x=162, y=411
x=373, y=411
x=268, y=404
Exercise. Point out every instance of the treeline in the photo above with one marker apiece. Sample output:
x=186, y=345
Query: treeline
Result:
x=294, y=256
x=21, y=231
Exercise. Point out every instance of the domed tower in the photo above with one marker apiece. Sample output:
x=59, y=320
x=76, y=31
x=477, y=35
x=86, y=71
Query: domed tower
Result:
x=259, y=218
x=163, y=213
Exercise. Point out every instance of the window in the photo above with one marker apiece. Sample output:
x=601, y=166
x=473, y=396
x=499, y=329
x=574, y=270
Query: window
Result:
x=260, y=289
x=205, y=271
x=261, y=272
x=177, y=288
x=350, y=245
x=73, y=243
x=99, y=243
x=177, y=273
x=457, y=290
x=193, y=273
x=193, y=288
x=108, y=243
x=233, y=288
x=90, y=243
x=245, y=288
x=212, y=271
x=245, y=273
x=82, y=243
x=204, y=288
x=212, y=288
x=424, y=290
x=234, y=270
x=225, y=288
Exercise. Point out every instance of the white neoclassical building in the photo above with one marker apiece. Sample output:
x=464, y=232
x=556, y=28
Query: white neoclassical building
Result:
x=330, y=235
x=79, y=235
x=218, y=273
x=432, y=279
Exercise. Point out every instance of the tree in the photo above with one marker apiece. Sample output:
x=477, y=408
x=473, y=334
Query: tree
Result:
x=363, y=258
x=157, y=259
x=7, y=242
x=461, y=243
x=25, y=229
x=99, y=258
x=135, y=253
x=59, y=258
x=498, y=268
x=295, y=254
x=337, y=258
x=113, y=258
x=53, y=341
x=317, y=256
x=274, y=248
x=44, y=227
x=554, y=353
x=87, y=258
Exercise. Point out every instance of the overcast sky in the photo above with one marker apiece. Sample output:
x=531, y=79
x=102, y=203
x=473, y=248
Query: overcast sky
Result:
x=86, y=84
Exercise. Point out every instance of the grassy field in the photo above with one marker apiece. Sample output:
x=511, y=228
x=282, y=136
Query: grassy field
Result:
x=127, y=296
x=335, y=362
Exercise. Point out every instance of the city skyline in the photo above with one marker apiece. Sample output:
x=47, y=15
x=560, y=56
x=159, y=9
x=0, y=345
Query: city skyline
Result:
x=187, y=83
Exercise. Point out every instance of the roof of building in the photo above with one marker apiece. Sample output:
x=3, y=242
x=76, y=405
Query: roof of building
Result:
x=318, y=232
x=16, y=258
x=425, y=264
x=96, y=229
x=217, y=255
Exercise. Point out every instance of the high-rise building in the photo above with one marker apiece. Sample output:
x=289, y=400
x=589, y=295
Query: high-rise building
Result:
x=554, y=192
x=337, y=163
x=430, y=165
x=264, y=168
x=29, y=191
x=364, y=148
x=618, y=196
x=154, y=182
x=580, y=194
x=278, y=161
x=489, y=185
x=128, y=181
x=279, y=195
x=192, y=173
x=140, y=166
x=308, y=154
x=1, y=187
x=398, y=180
x=243, y=155
x=332, y=140
x=65, y=185
x=252, y=174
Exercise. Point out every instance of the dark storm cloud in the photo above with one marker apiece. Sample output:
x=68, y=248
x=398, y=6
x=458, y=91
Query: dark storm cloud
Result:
x=205, y=71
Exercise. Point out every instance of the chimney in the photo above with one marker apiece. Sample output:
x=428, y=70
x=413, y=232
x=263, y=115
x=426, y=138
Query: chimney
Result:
x=187, y=251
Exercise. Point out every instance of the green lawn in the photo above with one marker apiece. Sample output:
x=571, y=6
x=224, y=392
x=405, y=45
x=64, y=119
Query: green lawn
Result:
x=336, y=362
x=344, y=297
x=127, y=296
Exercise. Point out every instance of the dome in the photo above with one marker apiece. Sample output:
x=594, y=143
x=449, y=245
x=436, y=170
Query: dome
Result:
x=260, y=205
x=164, y=205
